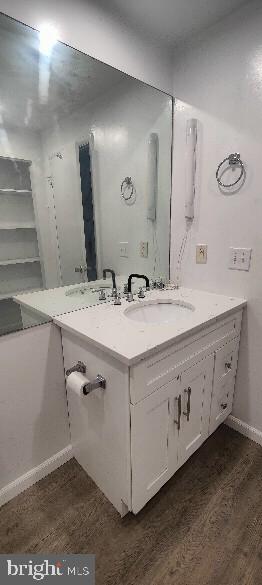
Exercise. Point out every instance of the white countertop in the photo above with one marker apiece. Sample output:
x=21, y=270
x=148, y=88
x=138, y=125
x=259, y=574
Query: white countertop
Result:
x=107, y=327
x=56, y=301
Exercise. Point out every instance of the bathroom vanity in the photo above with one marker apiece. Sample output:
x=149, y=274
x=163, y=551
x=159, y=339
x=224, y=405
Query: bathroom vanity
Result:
x=170, y=364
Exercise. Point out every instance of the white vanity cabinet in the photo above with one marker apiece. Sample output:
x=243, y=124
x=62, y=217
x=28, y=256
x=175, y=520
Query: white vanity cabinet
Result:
x=154, y=414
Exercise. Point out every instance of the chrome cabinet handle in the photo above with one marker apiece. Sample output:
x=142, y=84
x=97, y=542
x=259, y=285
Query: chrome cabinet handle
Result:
x=188, y=405
x=178, y=399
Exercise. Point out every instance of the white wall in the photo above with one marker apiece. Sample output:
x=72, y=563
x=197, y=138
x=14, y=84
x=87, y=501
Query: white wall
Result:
x=121, y=123
x=34, y=426
x=84, y=26
x=219, y=81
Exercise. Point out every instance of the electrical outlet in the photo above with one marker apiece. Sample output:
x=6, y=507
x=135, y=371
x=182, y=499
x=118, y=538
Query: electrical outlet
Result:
x=123, y=249
x=143, y=249
x=240, y=259
x=201, y=254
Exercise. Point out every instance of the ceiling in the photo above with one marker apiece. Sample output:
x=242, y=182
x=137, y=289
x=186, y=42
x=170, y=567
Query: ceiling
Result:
x=171, y=22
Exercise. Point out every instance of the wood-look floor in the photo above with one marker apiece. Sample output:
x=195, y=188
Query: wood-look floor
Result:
x=203, y=528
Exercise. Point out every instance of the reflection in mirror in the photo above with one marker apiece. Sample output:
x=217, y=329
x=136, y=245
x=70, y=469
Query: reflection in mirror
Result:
x=85, y=178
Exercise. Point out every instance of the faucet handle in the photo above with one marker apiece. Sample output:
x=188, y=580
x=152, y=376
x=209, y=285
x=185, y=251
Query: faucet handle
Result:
x=102, y=295
x=141, y=293
x=161, y=283
x=158, y=283
x=117, y=300
x=81, y=268
x=114, y=293
x=129, y=297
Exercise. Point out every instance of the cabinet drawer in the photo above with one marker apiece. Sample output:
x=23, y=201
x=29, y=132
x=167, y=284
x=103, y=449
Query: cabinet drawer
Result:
x=222, y=402
x=224, y=383
x=226, y=361
x=160, y=369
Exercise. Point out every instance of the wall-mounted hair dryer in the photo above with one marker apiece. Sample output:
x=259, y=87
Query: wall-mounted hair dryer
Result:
x=153, y=148
x=191, y=161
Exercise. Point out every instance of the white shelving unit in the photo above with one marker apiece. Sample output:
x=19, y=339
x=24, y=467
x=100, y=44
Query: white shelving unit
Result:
x=22, y=226
x=20, y=262
x=15, y=191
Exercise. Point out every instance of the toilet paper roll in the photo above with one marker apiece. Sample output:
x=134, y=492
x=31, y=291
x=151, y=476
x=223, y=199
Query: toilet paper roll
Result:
x=76, y=382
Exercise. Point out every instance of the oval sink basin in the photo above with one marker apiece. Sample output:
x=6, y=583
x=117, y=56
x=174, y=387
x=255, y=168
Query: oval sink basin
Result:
x=83, y=289
x=159, y=311
x=77, y=291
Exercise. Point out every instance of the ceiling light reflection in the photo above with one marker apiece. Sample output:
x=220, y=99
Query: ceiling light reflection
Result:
x=47, y=39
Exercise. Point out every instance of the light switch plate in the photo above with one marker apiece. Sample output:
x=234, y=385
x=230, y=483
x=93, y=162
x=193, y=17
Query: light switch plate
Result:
x=240, y=258
x=123, y=249
x=201, y=254
x=143, y=249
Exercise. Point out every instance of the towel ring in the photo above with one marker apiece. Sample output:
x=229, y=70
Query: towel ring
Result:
x=233, y=160
x=128, y=191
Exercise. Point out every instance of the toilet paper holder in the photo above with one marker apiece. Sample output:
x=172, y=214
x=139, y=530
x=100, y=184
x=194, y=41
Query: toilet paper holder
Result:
x=79, y=367
x=98, y=382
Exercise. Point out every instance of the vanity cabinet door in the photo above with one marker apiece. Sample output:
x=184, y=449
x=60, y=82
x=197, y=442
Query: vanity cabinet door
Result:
x=154, y=442
x=196, y=391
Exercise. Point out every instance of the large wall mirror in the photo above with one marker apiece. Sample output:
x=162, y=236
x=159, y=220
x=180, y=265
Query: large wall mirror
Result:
x=85, y=177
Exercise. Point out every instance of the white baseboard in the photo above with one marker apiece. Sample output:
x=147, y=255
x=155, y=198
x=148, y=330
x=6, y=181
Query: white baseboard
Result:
x=28, y=479
x=245, y=429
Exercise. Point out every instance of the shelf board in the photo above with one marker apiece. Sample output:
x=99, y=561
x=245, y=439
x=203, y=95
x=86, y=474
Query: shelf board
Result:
x=15, y=192
x=9, y=295
x=19, y=261
x=21, y=226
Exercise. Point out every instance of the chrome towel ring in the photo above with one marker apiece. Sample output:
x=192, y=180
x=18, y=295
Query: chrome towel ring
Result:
x=128, y=191
x=233, y=160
